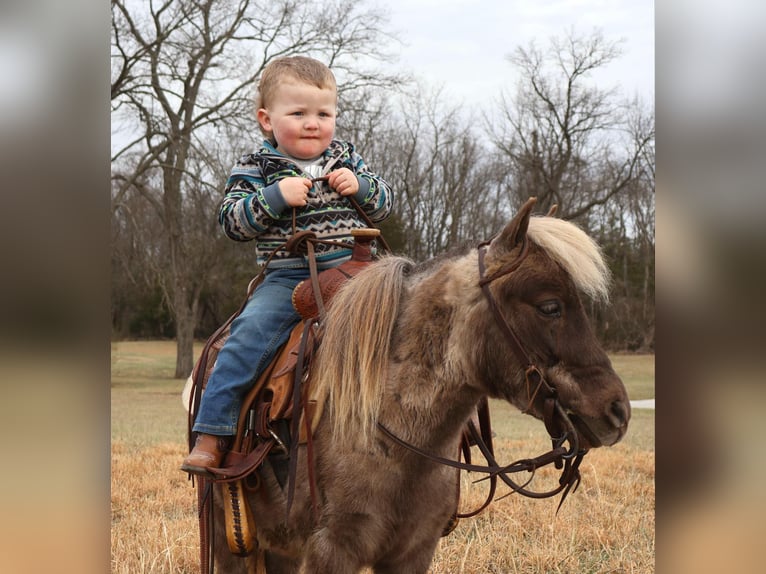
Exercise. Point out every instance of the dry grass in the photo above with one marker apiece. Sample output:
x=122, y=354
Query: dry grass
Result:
x=606, y=526
x=154, y=528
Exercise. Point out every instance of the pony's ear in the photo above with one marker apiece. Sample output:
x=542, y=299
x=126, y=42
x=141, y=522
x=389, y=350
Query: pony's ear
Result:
x=516, y=230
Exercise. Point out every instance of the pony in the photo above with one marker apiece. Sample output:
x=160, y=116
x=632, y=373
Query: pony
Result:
x=414, y=348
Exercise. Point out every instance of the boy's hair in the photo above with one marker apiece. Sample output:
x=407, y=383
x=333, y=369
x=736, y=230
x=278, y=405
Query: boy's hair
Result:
x=300, y=68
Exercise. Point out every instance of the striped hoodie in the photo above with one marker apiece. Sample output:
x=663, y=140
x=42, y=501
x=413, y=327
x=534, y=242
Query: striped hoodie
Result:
x=253, y=207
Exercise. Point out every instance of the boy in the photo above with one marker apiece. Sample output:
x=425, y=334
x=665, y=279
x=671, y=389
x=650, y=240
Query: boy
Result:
x=267, y=194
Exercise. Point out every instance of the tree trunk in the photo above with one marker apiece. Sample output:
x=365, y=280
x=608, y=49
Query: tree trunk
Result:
x=182, y=291
x=646, y=308
x=185, y=322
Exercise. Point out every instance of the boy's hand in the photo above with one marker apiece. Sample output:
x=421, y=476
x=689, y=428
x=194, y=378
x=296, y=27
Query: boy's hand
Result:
x=343, y=181
x=295, y=190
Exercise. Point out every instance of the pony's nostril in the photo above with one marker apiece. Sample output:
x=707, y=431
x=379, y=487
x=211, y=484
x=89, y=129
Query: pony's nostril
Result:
x=620, y=413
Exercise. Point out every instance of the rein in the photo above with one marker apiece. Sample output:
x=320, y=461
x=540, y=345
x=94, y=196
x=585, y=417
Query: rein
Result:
x=565, y=457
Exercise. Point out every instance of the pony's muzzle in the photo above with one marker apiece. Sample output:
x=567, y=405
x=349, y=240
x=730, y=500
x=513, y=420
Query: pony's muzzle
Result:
x=606, y=430
x=619, y=414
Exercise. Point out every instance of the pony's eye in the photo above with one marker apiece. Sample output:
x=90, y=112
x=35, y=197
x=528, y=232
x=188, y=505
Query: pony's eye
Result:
x=550, y=308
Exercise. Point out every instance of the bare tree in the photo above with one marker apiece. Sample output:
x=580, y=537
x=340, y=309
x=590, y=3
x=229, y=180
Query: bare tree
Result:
x=568, y=142
x=641, y=206
x=446, y=192
x=183, y=73
x=589, y=150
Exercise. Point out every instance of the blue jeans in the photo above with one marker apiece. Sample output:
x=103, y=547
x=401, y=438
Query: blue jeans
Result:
x=256, y=334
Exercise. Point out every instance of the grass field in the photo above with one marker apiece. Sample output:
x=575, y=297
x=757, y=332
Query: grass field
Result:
x=606, y=526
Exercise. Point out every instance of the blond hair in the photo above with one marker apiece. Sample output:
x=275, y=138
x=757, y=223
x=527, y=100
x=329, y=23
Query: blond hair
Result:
x=575, y=251
x=297, y=68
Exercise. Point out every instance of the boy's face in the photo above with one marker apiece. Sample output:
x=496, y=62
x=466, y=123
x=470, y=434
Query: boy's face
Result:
x=301, y=117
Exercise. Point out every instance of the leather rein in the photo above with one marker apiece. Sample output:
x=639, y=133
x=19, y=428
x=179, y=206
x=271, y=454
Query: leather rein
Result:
x=565, y=453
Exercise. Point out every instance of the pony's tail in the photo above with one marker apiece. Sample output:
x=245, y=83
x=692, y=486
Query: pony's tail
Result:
x=350, y=370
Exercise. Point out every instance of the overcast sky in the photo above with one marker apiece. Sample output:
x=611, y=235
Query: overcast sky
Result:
x=462, y=45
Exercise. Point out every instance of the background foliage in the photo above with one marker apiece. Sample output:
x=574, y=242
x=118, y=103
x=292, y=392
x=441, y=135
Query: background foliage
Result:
x=183, y=77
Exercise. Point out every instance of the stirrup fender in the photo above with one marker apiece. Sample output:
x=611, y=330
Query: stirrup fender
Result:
x=240, y=525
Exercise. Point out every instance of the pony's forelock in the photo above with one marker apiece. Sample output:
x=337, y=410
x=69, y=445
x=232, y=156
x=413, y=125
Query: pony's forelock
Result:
x=575, y=251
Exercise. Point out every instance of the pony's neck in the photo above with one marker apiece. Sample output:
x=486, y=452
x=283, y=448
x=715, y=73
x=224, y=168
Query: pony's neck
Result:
x=428, y=414
x=430, y=394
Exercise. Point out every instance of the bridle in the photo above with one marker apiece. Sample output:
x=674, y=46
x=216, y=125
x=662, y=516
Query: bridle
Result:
x=565, y=453
x=555, y=418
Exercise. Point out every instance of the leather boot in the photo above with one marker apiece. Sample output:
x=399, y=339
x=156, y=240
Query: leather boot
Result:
x=208, y=452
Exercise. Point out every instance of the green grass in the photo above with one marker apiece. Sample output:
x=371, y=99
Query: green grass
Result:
x=147, y=408
x=637, y=372
x=149, y=413
x=146, y=399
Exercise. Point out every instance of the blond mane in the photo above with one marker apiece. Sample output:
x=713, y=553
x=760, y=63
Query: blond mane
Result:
x=575, y=251
x=353, y=356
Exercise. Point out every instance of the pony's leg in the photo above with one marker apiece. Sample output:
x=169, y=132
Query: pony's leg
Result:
x=276, y=564
x=415, y=561
x=227, y=562
x=324, y=555
x=336, y=562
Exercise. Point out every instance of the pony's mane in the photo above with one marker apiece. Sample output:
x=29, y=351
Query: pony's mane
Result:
x=575, y=251
x=355, y=347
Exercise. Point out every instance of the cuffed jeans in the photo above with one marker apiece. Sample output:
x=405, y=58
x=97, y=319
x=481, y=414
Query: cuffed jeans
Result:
x=256, y=334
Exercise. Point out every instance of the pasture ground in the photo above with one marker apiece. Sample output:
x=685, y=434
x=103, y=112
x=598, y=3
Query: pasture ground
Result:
x=608, y=525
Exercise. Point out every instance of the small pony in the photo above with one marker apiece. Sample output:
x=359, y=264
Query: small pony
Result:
x=412, y=349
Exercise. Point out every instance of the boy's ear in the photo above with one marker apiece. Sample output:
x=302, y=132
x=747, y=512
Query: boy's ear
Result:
x=263, y=119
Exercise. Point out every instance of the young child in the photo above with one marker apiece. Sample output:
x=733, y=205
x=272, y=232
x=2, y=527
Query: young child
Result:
x=296, y=111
